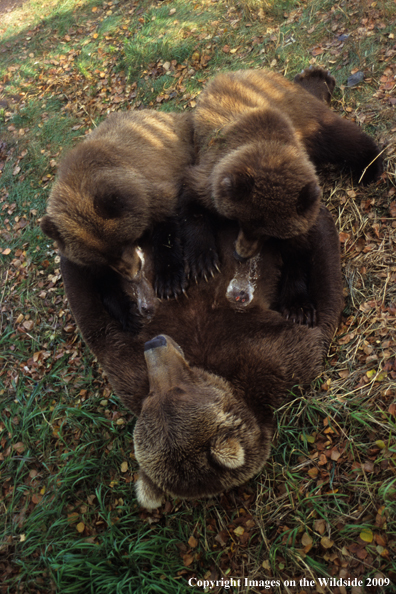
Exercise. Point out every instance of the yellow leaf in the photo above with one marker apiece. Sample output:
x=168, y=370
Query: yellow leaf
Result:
x=124, y=466
x=371, y=373
x=80, y=527
x=42, y=491
x=239, y=531
x=366, y=535
x=380, y=444
x=308, y=438
x=381, y=377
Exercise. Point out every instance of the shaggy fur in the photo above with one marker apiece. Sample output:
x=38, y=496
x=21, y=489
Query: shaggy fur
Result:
x=122, y=181
x=258, y=139
x=205, y=386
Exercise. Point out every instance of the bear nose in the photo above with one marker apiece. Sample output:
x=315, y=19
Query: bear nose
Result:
x=241, y=297
x=155, y=342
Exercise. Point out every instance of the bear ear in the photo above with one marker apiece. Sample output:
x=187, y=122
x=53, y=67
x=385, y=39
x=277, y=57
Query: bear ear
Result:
x=237, y=185
x=309, y=195
x=49, y=228
x=228, y=452
x=147, y=494
x=109, y=205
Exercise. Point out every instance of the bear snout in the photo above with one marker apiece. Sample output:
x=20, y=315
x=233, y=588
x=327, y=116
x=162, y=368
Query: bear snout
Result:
x=155, y=343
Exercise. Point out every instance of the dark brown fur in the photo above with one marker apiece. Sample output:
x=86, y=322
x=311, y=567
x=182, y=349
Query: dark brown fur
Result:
x=119, y=183
x=204, y=392
x=258, y=137
x=318, y=82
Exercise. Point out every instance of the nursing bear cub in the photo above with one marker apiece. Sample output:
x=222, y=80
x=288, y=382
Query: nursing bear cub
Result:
x=258, y=139
x=203, y=379
x=121, y=183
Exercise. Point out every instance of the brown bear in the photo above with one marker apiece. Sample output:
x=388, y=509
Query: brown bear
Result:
x=258, y=140
x=205, y=386
x=121, y=182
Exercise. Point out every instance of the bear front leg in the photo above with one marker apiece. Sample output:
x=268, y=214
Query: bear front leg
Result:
x=170, y=278
x=116, y=301
x=295, y=302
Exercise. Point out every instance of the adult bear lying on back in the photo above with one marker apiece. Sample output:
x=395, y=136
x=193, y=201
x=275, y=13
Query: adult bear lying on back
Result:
x=205, y=386
x=258, y=139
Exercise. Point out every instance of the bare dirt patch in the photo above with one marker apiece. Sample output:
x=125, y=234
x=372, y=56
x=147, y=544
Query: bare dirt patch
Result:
x=7, y=6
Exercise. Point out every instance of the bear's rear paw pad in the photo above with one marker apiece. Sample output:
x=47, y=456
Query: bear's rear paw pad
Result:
x=301, y=311
x=317, y=81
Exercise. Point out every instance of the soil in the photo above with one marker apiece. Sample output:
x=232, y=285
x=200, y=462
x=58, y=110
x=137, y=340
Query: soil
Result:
x=7, y=6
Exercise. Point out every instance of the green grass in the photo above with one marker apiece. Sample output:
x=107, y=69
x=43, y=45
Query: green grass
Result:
x=69, y=519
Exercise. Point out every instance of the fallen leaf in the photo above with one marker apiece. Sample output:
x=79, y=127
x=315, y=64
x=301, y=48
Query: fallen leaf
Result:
x=192, y=542
x=366, y=535
x=326, y=542
x=188, y=559
x=313, y=472
x=124, y=466
x=80, y=527
x=344, y=236
x=320, y=526
x=19, y=447
x=335, y=454
x=239, y=531
x=306, y=540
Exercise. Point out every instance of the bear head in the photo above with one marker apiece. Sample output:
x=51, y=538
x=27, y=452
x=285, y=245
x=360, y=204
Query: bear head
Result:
x=267, y=183
x=97, y=209
x=194, y=437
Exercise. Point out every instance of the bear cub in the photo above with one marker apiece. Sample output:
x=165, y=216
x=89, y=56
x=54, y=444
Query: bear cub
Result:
x=258, y=140
x=121, y=183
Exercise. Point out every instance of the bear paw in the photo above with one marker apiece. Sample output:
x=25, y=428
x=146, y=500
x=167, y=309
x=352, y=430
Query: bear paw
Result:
x=301, y=312
x=202, y=264
x=170, y=282
x=317, y=81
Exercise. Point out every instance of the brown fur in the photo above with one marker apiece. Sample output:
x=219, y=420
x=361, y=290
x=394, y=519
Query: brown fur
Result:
x=121, y=181
x=204, y=392
x=318, y=82
x=258, y=138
